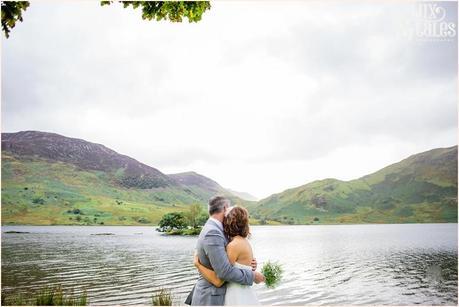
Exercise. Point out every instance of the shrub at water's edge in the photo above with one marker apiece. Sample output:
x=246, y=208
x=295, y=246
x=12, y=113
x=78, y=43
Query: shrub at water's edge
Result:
x=163, y=297
x=45, y=297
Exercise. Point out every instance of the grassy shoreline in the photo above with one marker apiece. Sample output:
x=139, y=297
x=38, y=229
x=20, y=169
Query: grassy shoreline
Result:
x=48, y=296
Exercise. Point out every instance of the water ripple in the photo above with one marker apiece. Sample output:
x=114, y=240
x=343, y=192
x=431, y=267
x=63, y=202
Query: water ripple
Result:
x=324, y=265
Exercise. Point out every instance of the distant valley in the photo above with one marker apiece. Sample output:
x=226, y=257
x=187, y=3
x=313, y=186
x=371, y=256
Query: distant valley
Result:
x=49, y=179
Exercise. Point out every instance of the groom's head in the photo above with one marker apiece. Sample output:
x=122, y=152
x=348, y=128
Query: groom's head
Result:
x=218, y=206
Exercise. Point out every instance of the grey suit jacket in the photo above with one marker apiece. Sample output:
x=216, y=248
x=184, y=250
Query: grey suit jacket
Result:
x=212, y=254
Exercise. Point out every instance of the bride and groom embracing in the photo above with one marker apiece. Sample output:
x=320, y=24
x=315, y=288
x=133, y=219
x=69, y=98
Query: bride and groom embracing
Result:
x=224, y=258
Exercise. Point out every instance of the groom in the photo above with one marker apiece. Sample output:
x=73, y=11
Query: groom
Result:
x=211, y=252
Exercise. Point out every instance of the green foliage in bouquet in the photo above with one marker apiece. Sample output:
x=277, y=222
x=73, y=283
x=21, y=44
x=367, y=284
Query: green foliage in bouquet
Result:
x=273, y=273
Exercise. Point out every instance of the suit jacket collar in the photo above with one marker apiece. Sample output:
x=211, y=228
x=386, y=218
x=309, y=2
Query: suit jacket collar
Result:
x=216, y=222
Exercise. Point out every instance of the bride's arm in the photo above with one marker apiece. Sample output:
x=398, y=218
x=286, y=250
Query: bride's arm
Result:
x=209, y=274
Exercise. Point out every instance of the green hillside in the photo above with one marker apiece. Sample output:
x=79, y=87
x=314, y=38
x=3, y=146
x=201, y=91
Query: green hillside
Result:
x=49, y=179
x=39, y=192
x=36, y=191
x=421, y=188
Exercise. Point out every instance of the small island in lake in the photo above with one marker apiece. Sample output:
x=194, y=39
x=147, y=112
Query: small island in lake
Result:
x=187, y=223
x=13, y=231
x=103, y=234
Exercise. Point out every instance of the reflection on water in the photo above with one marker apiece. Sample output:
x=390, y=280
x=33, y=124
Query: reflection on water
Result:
x=343, y=264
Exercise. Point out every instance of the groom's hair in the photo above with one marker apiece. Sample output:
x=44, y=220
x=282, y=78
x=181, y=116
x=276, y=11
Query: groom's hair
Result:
x=217, y=204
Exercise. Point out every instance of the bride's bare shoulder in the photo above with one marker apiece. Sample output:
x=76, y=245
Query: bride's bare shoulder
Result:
x=238, y=242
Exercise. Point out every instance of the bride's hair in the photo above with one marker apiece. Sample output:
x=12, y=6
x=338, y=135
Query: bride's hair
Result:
x=236, y=223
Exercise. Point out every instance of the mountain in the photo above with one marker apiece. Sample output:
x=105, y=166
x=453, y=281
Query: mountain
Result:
x=421, y=188
x=199, y=183
x=85, y=155
x=206, y=186
x=52, y=179
x=243, y=195
x=47, y=177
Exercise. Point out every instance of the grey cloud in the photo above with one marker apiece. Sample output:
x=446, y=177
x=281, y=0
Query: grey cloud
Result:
x=78, y=68
x=410, y=95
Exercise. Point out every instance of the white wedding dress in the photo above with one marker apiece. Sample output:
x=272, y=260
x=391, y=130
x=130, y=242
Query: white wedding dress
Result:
x=237, y=294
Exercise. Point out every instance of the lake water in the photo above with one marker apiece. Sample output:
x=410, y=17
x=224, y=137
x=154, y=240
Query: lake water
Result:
x=324, y=265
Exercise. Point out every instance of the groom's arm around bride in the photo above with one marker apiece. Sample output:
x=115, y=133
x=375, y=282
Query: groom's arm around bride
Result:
x=215, y=250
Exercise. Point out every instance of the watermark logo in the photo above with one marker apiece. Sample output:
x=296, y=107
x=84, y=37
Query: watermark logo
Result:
x=430, y=23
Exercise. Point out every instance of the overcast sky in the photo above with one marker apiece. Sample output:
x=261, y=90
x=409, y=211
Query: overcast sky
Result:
x=259, y=96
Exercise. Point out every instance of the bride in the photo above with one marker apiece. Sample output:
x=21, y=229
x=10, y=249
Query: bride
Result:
x=239, y=250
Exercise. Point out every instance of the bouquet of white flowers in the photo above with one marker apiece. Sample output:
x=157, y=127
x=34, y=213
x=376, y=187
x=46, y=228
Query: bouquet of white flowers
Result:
x=273, y=273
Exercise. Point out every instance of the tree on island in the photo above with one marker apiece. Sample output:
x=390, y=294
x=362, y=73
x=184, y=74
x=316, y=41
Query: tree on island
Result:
x=196, y=216
x=172, y=221
x=173, y=11
x=184, y=223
